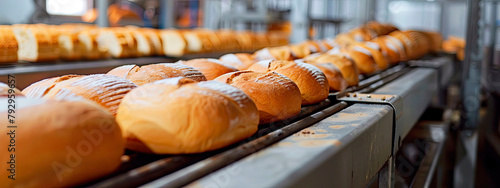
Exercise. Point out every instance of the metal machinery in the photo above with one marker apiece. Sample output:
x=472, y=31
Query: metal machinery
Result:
x=387, y=132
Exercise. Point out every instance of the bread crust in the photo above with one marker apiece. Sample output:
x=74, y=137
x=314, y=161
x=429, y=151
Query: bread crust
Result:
x=211, y=68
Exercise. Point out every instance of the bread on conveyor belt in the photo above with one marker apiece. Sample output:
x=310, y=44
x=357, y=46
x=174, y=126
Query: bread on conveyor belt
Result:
x=174, y=43
x=145, y=46
x=388, y=48
x=36, y=43
x=211, y=68
x=154, y=72
x=241, y=61
x=8, y=45
x=379, y=58
x=120, y=43
x=4, y=90
x=278, y=53
x=335, y=79
x=346, y=65
x=181, y=116
x=312, y=82
x=106, y=90
x=60, y=143
x=299, y=51
x=71, y=48
x=363, y=58
x=276, y=96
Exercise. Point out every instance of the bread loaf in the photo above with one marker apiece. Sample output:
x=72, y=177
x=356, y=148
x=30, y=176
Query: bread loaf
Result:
x=150, y=73
x=311, y=81
x=333, y=75
x=120, y=43
x=388, y=48
x=106, y=90
x=347, y=67
x=175, y=116
x=36, y=43
x=276, y=96
x=145, y=46
x=88, y=38
x=70, y=46
x=174, y=43
x=277, y=53
x=59, y=143
x=380, y=59
x=241, y=61
x=8, y=45
x=211, y=68
x=363, y=59
x=5, y=90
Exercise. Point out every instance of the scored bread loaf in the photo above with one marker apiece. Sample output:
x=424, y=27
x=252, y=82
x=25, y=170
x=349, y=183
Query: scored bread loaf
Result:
x=8, y=45
x=59, y=143
x=119, y=43
x=363, y=59
x=36, y=43
x=346, y=65
x=333, y=75
x=312, y=82
x=241, y=61
x=106, y=90
x=177, y=116
x=276, y=96
x=150, y=73
x=379, y=58
x=211, y=68
x=388, y=48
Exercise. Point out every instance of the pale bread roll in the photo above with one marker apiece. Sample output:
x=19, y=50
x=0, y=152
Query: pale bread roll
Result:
x=8, y=45
x=106, y=90
x=312, y=82
x=60, y=143
x=6, y=91
x=241, y=61
x=154, y=72
x=145, y=46
x=211, y=68
x=174, y=43
x=346, y=65
x=333, y=75
x=177, y=116
x=278, y=53
x=276, y=96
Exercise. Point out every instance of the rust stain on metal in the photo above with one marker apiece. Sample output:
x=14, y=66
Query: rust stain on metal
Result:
x=317, y=143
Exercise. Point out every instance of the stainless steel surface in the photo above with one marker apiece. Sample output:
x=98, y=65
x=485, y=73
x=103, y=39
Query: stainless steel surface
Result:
x=416, y=89
x=299, y=20
x=167, y=14
x=346, y=149
x=102, y=17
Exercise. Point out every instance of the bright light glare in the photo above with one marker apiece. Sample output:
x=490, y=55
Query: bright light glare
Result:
x=67, y=7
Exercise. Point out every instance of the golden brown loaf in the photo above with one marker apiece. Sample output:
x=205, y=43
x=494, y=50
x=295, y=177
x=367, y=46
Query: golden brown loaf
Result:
x=363, y=59
x=120, y=43
x=276, y=96
x=60, y=143
x=379, y=58
x=70, y=46
x=211, y=68
x=347, y=67
x=277, y=53
x=36, y=43
x=333, y=75
x=241, y=61
x=312, y=82
x=106, y=90
x=176, y=116
x=8, y=45
x=88, y=38
x=150, y=73
x=388, y=49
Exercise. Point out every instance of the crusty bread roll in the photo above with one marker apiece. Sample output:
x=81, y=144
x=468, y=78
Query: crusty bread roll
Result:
x=120, y=43
x=241, y=61
x=278, y=53
x=333, y=75
x=40, y=88
x=245, y=40
x=436, y=40
x=344, y=63
x=312, y=82
x=363, y=59
x=88, y=38
x=388, y=48
x=276, y=96
x=150, y=73
x=4, y=90
x=211, y=68
x=59, y=143
x=8, y=46
x=176, y=116
x=106, y=90
x=380, y=59
x=36, y=43
x=174, y=43
x=299, y=51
